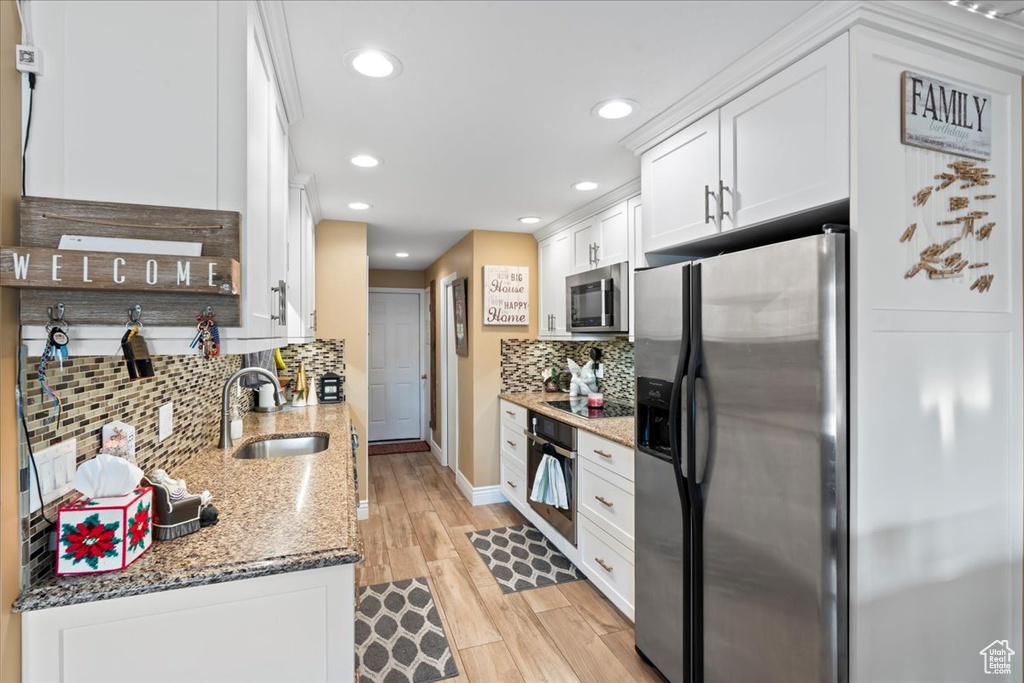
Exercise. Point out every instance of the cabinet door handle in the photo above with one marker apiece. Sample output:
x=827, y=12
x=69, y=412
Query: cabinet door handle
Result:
x=722, y=189
x=604, y=565
x=282, y=302
x=509, y=412
x=510, y=484
x=597, y=259
x=603, y=454
x=603, y=501
x=708, y=194
x=510, y=443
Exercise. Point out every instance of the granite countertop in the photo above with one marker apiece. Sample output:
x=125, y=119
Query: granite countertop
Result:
x=276, y=515
x=621, y=430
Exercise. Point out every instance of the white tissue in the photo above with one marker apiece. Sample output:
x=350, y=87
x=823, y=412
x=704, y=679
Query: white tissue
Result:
x=106, y=476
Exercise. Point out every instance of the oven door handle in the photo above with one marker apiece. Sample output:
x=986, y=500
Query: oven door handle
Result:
x=544, y=442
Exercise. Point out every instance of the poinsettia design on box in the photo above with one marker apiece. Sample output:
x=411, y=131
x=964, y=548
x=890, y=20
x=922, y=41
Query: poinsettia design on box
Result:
x=104, y=534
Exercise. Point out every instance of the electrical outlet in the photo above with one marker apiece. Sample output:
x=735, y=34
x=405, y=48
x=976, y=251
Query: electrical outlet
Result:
x=166, y=415
x=29, y=59
x=57, y=466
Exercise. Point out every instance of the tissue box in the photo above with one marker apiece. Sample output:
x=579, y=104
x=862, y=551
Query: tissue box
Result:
x=104, y=534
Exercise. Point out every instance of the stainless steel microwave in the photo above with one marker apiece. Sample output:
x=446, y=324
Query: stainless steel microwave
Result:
x=597, y=301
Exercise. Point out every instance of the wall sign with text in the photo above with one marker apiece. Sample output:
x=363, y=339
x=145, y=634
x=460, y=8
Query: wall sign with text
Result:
x=950, y=118
x=506, y=295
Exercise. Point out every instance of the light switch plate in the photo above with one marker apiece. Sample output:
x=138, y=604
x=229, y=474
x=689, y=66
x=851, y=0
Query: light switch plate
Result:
x=166, y=415
x=57, y=466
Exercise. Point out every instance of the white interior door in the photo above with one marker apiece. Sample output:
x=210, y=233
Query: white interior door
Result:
x=394, y=377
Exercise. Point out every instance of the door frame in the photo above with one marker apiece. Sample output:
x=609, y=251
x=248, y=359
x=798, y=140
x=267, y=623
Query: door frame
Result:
x=449, y=452
x=424, y=358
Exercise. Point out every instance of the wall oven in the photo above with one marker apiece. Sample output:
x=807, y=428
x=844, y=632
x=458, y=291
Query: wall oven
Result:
x=598, y=300
x=558, y=440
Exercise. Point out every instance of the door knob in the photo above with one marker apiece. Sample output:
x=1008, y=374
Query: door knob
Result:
x=423, y=376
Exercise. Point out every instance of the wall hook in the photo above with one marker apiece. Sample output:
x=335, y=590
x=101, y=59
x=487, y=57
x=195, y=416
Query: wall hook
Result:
x=58, y=319
x=134, y=316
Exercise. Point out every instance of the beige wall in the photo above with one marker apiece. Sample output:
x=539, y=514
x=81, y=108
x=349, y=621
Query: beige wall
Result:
x=458, y=259
x=10, y=192
x=480, y=373
x=341, y=306
x=397, y=279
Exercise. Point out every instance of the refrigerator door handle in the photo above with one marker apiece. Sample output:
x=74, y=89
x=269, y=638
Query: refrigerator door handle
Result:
x=702, y=437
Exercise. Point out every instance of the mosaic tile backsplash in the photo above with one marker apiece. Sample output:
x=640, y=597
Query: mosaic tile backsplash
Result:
x=524, y=360
x=97, y=390
x=320, y=356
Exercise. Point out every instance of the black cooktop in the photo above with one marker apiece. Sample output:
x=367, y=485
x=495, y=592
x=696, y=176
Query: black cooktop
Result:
x=578, y=406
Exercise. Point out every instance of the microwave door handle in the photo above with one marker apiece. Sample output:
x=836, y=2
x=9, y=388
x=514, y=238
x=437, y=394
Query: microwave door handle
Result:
x=606, y=288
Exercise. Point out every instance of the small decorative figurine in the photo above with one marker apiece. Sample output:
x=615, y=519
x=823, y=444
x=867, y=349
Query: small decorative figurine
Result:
x=584, y=382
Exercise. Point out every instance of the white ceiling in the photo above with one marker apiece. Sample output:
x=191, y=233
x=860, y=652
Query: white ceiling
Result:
x=490, y=118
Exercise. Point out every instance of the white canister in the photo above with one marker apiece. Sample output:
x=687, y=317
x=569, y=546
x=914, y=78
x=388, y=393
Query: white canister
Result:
x=266, y=396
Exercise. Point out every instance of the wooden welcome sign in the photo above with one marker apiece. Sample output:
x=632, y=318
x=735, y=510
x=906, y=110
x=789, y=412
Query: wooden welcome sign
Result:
x=42, y=268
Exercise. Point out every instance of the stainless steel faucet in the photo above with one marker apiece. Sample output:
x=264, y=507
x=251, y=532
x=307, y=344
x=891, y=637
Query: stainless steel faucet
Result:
x=225, y=417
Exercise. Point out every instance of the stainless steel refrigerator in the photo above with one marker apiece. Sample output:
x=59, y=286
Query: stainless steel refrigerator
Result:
x=741, y=465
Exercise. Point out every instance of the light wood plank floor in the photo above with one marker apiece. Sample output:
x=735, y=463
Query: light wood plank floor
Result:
x=417, y=527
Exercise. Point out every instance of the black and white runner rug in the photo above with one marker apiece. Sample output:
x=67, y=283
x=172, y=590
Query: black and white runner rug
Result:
x=399, y=637
x=521, y=558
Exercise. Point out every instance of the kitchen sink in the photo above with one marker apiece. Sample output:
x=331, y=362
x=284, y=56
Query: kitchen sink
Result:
x=283, y=447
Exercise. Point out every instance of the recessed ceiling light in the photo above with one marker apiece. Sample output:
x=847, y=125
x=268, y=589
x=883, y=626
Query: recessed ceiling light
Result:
x=529, y=220
x=402, y=254
x=365, y=161
x=615, y=109
x=359, y=206
x=373, y=63
x=585, y=186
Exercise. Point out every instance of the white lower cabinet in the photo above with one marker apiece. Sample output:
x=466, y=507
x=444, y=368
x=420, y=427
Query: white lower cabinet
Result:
x=513, y=481
x=605, y=504
x=607, y=500
x=296, y=626
x=607, y=563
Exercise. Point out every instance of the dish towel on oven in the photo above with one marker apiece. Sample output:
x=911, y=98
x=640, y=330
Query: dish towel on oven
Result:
x=549, y=483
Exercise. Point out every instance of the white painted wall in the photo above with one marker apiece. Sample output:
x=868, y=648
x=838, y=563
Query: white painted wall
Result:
x=936, y=396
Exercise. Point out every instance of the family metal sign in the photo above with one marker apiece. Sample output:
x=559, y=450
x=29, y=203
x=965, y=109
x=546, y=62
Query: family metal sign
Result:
x=956, y=119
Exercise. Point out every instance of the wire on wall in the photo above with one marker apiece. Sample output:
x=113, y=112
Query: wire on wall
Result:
x=28, y=130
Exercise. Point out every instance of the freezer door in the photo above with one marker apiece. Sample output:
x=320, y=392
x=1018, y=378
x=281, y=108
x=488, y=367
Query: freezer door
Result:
x=662, y=513
x=772, y=465
x=659, y=321
x=659, y=572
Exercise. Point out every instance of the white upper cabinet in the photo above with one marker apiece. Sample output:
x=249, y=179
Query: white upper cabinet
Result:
x=776, y=150
x=301, y=317
x=215, y=132
x=612, y=228
x=601, y=240
x=256, y=305
x=634, y=215
x=679, y=179
x=278, y=244
x=584, y=236
x=785, y=143
x=554, y=264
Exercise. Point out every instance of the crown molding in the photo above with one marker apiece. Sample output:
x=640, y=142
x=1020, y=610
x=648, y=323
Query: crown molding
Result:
x=605, y=201
x=937, y=23
x=271, y=13
x=307, y=181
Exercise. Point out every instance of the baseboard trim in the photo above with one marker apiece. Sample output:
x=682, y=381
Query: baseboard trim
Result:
x=481, y=495
x=363, y=511
x=436, y=450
